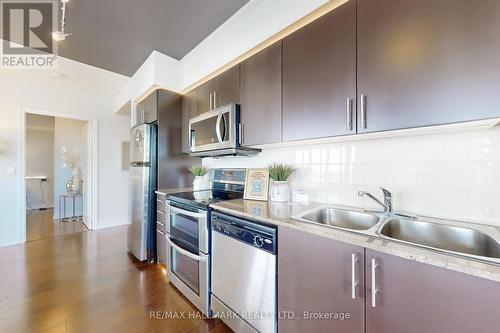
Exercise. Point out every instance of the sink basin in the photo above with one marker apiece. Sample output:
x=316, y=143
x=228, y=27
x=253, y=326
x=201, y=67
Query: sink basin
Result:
x=443, y=237
x=345, y=219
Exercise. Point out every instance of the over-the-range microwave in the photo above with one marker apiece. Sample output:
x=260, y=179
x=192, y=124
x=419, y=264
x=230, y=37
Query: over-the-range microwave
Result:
x=218, y=133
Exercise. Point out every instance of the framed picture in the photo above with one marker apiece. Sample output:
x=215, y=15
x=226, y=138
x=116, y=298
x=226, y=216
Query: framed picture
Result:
x=256, y=184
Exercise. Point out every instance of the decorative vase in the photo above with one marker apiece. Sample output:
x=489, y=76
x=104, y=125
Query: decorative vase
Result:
x=280, y=191
x=200, y=183
x=74, y=184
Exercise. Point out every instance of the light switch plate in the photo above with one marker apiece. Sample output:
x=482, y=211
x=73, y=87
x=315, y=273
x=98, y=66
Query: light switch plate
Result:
x=11, y=171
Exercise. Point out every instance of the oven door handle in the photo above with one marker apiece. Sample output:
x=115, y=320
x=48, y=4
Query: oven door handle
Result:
x=184, y=252
x=187, y=213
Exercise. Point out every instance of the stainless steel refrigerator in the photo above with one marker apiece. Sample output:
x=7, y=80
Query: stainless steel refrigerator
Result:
x=143, y=184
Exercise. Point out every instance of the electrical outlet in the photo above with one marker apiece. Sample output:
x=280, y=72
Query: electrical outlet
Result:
x=11, y=171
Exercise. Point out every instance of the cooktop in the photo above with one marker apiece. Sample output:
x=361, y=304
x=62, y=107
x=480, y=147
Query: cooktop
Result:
x=204, y=198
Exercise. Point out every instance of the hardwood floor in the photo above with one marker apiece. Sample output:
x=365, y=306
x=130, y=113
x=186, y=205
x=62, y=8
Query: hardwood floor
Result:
x=41, y=225
x=87, y=282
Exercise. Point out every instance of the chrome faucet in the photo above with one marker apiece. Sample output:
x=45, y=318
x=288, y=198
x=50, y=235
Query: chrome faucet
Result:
x=387, y=204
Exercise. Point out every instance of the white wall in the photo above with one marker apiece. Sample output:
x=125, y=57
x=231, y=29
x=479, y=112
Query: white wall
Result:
x=39, y=161
x=86, y=91
x=454, y=175
x=67, y=133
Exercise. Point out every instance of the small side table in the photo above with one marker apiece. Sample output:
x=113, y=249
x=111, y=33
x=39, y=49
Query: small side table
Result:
x=62, y=207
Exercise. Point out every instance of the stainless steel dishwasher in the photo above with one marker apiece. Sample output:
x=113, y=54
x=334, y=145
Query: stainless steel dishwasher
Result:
x=243, y=291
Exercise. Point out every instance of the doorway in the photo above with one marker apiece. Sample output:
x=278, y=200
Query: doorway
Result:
x=58, y=167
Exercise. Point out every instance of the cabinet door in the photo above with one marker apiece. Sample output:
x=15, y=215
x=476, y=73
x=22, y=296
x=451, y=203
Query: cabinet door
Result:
x=415, y=298
x=315, y=276
x=189, y=110
x=427, y=62
x=261, y=97
x=161, y=247
x=319, y=74
x=203, y=93
x=227, y=87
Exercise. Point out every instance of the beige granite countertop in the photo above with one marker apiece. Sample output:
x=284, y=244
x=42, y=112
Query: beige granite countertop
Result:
x=281, y=215
x=173, y=190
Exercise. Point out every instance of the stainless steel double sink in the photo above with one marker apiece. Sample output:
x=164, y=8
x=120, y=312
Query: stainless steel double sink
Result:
x=436, y=236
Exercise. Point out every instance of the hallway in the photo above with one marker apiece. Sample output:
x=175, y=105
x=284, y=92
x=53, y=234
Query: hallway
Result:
x=41, y=225
x=87, y=282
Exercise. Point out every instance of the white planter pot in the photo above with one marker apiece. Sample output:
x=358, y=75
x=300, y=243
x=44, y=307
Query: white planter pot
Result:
x=201, y=183
x=280, y=191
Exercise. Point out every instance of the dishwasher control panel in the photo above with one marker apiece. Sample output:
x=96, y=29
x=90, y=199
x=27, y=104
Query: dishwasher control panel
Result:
x=248, y=232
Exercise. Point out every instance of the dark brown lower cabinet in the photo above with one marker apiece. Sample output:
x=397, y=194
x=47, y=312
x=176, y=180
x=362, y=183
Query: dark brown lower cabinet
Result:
x=315, y=284
x=419, y=298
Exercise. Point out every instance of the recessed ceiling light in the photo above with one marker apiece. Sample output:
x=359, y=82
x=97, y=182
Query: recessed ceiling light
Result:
x=58, y=74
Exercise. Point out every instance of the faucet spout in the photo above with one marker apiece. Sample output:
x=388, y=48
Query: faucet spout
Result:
x=387, y=204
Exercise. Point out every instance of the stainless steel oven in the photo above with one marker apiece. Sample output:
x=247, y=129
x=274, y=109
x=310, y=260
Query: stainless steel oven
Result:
x=218, y=133
x=189, y=271
x=188, y=224
x=188, y=261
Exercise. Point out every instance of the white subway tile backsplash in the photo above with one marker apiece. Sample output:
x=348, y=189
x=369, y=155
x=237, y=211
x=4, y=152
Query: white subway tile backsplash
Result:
x=484, y=176
x=484, y=146
x=379, y=151
x=411, y=174
x=353, y=174
x=449, y=175
x=483, y=208
x=448, y=148
x=377, y=174
x=412, y=149
x=408, y=200
x=353, y=152
x=448, y=204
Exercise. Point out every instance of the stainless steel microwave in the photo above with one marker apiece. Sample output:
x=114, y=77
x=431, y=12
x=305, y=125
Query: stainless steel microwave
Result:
x=218, y=133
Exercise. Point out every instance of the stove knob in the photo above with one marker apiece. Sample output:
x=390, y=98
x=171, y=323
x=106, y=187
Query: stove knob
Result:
x=258, y=241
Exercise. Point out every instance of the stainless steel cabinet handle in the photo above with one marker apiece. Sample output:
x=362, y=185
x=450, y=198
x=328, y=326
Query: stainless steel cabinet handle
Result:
x=210, y=102
x=374, y=283
x=240, y=133
x=362, y=102
x=354, y=282
x=215, y=99
x=348, y=114
x=159, y=231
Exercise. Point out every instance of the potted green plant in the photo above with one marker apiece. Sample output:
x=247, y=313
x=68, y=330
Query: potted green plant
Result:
x=279, y=173
x=200, y=180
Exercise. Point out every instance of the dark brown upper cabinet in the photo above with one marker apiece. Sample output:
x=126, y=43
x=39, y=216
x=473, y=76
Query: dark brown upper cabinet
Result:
x=427, y=62
x=227, y=87
x=319, y=77
x=203, y=96
x=261, y=97
x=221, y=90
x=189, y=110
x=147, y=109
